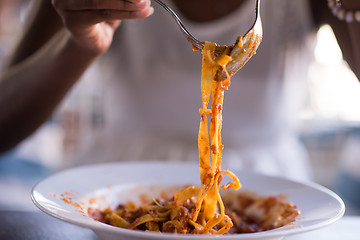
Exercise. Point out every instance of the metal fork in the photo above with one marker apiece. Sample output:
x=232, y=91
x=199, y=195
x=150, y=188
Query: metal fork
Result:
x=194, y=41
x=255, y=31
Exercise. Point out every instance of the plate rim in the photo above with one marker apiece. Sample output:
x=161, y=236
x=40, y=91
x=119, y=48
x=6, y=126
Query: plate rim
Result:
x=101, y=227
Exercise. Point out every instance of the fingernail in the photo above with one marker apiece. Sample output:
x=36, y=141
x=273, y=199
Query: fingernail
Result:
x=151, y=11
x=143, y=4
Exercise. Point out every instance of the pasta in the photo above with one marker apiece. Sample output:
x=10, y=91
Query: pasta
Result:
x=210, y=149
x=200, y=209
x=248, y=211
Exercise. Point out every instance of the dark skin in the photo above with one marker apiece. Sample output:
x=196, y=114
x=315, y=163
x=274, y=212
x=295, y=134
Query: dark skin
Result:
x=346, y=34
x=62, y=40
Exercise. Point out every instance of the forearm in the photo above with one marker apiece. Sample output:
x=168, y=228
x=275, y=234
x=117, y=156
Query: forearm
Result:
x=31, y=90
x=347, y=34
x=354, y=35
x=45, y=65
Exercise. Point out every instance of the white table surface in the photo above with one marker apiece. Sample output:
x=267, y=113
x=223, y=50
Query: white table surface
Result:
x=347, y=228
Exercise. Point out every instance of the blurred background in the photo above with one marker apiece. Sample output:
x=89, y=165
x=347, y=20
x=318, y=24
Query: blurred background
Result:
x=330, y=123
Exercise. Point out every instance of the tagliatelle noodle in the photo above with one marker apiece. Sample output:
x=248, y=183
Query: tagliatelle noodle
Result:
x=210, y=146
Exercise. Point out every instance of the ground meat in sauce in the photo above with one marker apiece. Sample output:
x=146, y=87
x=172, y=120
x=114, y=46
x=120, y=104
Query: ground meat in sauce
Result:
x=249, y=213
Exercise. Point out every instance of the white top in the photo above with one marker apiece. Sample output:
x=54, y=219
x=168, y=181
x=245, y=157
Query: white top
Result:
x=151, y=83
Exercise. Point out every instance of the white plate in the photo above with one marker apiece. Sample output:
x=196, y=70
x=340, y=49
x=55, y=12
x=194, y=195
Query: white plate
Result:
x=112, y=183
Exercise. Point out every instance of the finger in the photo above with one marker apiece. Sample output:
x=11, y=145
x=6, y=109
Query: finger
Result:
x=96, y=16
x=126, y=5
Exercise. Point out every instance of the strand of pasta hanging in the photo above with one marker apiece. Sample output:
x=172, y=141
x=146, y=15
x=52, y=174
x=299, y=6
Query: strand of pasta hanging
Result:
x=206, y=215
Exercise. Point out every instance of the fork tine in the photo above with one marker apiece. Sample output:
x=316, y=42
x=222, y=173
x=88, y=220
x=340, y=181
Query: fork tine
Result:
x=197, y=44
x=193, y=40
